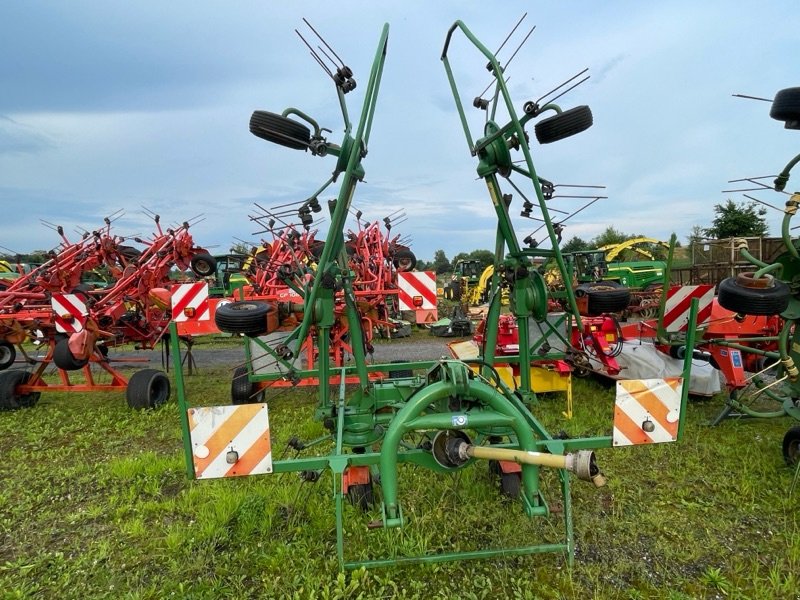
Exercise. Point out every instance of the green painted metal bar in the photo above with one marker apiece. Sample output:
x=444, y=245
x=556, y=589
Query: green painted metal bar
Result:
x=691, y=332
x=183, y=407
x=450, y=556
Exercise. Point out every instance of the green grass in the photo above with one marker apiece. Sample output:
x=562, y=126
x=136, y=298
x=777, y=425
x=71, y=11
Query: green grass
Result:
x=94, y=502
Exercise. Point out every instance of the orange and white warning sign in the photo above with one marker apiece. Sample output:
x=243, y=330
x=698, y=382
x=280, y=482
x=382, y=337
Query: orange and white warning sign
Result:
x=416, y=290
x=190, y=302
x=69, y=312
x=230, y=441
x=647, y=411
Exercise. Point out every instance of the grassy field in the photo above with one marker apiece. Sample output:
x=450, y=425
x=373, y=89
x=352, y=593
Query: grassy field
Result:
x=94, y=502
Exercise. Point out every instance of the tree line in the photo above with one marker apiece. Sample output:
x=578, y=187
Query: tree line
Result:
x=731, y=219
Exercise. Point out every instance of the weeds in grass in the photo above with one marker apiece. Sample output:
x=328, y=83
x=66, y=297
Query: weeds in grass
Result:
x=94, y=502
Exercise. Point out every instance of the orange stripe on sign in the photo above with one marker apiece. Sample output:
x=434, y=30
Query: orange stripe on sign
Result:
x=630, y=429
x=251, y=458
x=648, y=400
x=221, y=439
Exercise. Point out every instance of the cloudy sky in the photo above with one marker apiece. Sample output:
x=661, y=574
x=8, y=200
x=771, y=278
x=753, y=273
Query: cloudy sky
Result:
x=122, y=105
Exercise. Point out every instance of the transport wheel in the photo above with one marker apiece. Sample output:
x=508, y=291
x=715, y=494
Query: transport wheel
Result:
x=605, y=297
x=748, y=295
x=7, y=355
x=148, y=388
x=400, y=372
x=404, y=260
x=129, y=253
x=564, y=124
x=10, y=398
x=786, y=107
x=203, y=264
x=279, y=130
x=791, y=446
x=316, y=248
x=510, y=484
x=361, y=495
x=64, y=359
x=247, y=317
x=244, y=391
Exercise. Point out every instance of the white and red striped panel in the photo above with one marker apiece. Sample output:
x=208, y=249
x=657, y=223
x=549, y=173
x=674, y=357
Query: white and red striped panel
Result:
x=679, y=299
x=69, y=312
x=230, y=441
x=647, y=411
x=416, y=283
x=190, y=302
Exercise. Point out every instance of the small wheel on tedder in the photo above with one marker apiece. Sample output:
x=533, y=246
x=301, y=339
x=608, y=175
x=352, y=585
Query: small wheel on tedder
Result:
x=10, y=397
x=64, y=358
x=749, y=295
x=244, y=391
x=148, y=388
x=248, y=317
x=791, y=446
x=8, y=355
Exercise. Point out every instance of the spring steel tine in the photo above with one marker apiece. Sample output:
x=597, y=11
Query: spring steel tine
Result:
x=576, y=196
x=315, y=55
x=751, y=97
x=752, y=178
x=764, y=203
x=570, y=88
x=579, y=185
x=555, y=89
x=288, y=204
x=522, y=18
x=522, y=43
x=311, y=27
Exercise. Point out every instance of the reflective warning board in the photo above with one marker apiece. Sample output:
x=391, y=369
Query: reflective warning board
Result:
x=647, y=411
x=230, y=441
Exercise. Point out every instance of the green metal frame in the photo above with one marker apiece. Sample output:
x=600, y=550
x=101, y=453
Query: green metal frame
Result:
x=367, y=423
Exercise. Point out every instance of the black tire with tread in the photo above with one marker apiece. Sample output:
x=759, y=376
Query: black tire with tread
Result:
x=10, y=399
x=791, y=446
x=279, y=130
x=564, y=124
x=404, y=260
x=148, y=388
x=8, y=355
x=510, y=484
x=244, y=391
x=203, y=265
x=605, y=297
x=247, y=317
x=64, y=359
x=786, y=107
x=753, y=301
x=361, y=495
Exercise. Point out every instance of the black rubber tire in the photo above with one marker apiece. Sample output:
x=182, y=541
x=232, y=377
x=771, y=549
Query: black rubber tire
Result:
x=244, y=391
x=279, y=130
x=10, y=399
x=361, y=495
x=753, y=301
x=605, y=297
x=64, y=359
x=129, y=253
x=786, y=107
x=791, y=446
x=316, y=248
x=510, y=484
x=404, y=260
x=148, y=388
x=400, y=372
x=8, y=355
x=247, y=317
x=203, y=265
x=564, y=124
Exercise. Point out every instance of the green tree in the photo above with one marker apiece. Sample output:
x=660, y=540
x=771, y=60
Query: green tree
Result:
x=440, y=263
x=610, y=236
x=745, y=219
x=575, y=244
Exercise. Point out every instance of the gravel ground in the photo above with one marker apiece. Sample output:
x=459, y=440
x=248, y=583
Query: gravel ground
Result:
x=409, y=349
